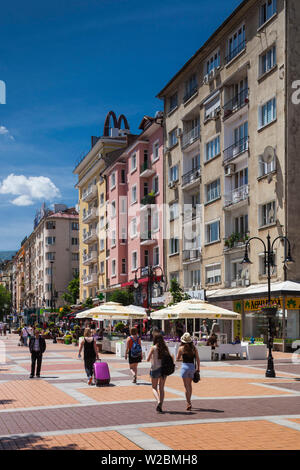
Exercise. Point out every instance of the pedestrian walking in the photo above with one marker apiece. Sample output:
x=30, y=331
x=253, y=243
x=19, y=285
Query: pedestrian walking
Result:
x=89, y=347
x=25, y=335
x=189, y=356
x=1, y=328
x=157, y=354
x=133, y=352
x=4, y=329
x=37, y=347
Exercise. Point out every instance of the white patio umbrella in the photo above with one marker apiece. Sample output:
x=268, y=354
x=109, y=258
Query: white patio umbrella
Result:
x=83, y=315
x=194, y=308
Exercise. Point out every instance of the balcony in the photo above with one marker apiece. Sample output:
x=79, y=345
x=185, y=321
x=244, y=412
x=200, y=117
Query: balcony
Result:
x=192, y=91
x=90, y=237
x=191, y=255
x=147, y=170
x=188, y=138
x=235, y=241
x=191, y=213
x=239, y=282
x=147, y=238
x=191, y=177
x=236, y=149
x=89, y=216
x=89, y=193
x=148, y=201
x=237, y=195
x=90, y=258
x=234, y=52
x=90, y=280
x=236, y=103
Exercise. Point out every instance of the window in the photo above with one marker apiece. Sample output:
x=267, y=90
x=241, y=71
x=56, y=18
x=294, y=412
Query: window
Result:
x=102, y=267
x=48, y=287
x=113, y=209
x=113, y=180
x=113, y=267
x=133, y=228
x=133, y=162
x=75, y=272
x=102, y=221
x=123, y=180
x=155, y=220
x=212, y=232
x=267, y=10
x=267, y=61
x=123, y=265
x=102, y=199
x=236, y=43
x=263, y=270
x=146, y=258
x=101, y=244
x=49, y=271
x=213, y=191
x=212, y=149
x=213, y=62
x=113, y=238
x=50, y=256
x=191, y=87
x=75, y=241
x=50, y=225
x=75, y=256
x=173, y=102
x=123, y=203
x=240, y=178
x=155, y=151
x=174, y=246
x=174, y=211
x=133, y=194
x=267, y=113
x=174, y=276
x=267, y=214
x=241, y=224
x=195, y=277
x=156, y=256
x=134, y=260
x=266, y=168
x=155, y=184
x=173, y=138
x=213, y=274
x=50, y=240
x=173, y=174
x=75, y=226
x=196, y=162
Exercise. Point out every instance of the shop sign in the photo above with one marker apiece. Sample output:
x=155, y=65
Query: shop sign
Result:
x=257, y=304
x=292, y=303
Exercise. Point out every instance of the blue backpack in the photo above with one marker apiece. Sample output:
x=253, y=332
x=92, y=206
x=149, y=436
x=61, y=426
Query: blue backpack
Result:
x=136, y=349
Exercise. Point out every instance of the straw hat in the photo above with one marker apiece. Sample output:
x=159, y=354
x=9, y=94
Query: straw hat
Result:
x=186, y=338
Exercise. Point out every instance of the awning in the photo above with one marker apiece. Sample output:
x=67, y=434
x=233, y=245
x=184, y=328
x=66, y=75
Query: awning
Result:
x=288, y=287
x=194, y=308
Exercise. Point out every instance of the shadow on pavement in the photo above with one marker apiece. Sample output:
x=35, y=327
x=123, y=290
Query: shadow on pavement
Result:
x=207, y=410
x=31, y=442
x=5, y=402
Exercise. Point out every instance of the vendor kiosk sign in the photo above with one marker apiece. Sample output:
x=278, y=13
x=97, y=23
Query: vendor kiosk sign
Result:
x=291, y=303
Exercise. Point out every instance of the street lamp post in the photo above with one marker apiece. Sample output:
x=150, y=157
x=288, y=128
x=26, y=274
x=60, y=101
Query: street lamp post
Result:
x=269, y=310
x=51, y=303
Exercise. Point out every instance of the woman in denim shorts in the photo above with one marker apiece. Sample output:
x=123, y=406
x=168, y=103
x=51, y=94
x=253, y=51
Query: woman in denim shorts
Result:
x=156, y=354
x=188, y=354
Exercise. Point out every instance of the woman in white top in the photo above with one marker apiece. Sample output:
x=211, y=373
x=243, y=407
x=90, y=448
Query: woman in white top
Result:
x=156, y=354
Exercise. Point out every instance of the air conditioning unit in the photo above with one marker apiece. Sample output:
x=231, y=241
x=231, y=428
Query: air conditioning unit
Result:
x=229, y=170
x=205, y=80
x=178, y=132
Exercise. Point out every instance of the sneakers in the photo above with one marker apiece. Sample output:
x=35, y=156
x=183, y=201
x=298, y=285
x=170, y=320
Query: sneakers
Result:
x=31, y=376
x=134, y=380
x=90, y=380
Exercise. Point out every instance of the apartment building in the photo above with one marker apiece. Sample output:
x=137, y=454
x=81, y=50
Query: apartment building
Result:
x=92, y=204
x=47, y=261
x=230, y=157
x=134, y=182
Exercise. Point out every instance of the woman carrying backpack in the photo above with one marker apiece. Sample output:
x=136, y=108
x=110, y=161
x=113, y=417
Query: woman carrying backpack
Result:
x=189, y=356
x=159, y=355
x=133, y=352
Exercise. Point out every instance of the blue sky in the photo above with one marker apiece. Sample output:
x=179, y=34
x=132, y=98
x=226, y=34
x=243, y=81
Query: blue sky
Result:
x=65, y=65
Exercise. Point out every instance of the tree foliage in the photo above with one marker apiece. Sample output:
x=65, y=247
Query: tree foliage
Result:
x=72, y=293
x=5, y=299
x=123, y=297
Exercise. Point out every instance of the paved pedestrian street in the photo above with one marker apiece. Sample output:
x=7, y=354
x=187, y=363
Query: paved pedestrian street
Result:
x=235, y=407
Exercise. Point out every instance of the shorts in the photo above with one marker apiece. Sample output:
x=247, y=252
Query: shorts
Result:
x=157, y=373
x=134, y=360
x=187, y=370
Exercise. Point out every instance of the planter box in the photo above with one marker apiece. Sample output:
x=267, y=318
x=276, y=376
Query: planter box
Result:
x=204, y=353
x=255, y=351
x=120, y=349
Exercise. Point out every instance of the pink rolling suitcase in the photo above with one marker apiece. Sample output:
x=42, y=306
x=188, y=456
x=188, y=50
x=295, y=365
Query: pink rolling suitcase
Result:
x=101, y=373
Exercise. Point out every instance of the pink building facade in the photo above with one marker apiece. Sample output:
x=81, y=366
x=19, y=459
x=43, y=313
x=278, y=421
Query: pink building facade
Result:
x=135, y=213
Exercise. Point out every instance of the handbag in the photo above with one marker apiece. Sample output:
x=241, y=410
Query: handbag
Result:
x=196, y=377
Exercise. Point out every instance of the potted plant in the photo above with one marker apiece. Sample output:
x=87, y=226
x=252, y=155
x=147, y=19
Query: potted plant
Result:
x=68, y=339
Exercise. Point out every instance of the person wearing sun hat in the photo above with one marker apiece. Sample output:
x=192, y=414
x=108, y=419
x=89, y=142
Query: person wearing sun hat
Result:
x=188, y=354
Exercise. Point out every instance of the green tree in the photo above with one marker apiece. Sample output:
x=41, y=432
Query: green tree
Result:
x=5, y=299
x=72, y=293
x=124, y=297
x=88, y=303
x=177, y=292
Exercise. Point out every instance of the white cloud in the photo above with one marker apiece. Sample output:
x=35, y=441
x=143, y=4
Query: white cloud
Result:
x=4, y=131
x=29, y=189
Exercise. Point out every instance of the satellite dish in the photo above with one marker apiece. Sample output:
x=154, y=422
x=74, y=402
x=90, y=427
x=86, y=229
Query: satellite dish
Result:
x=268, y=155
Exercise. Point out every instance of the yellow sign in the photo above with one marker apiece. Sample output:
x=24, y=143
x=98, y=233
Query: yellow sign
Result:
x=237, y=325
x=291, y=303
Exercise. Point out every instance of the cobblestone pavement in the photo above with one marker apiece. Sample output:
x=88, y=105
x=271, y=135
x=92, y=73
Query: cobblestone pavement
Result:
x=235, y=407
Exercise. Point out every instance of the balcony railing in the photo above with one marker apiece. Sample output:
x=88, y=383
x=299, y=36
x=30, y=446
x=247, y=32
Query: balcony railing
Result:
x=90, y=279
x=191, y=176
x=236, y=149
x=189, y=137
x=149, y=199
x=237, y=195
x=236, y=103
x=234, y=52
x=146, y=166
x=147, y=238
x=90, y=257
x=89, y=215
x=89, y=194
x=190, y=93
x=189, y=255
x=90, y=236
